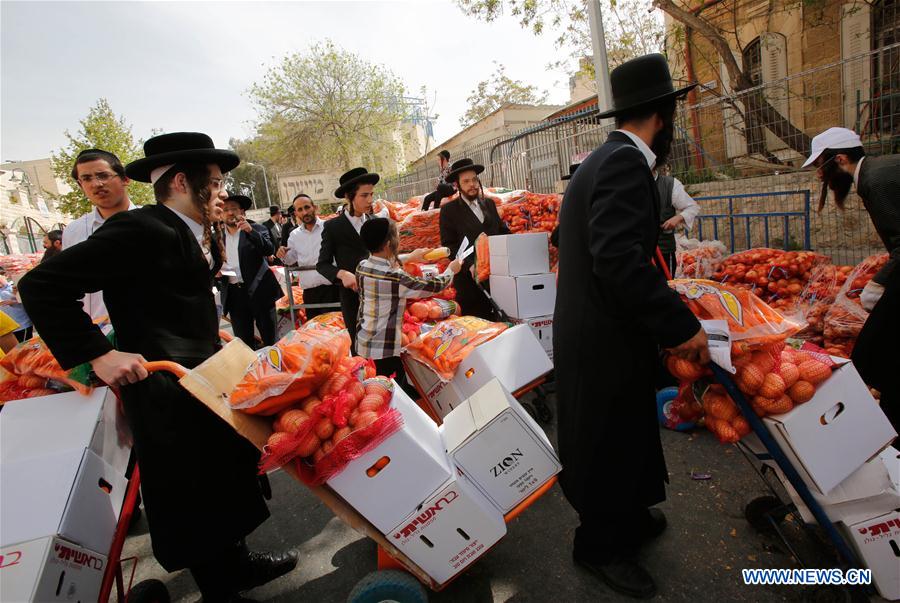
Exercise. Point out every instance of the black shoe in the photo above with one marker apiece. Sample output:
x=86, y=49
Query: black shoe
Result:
x=261, y=568
x=655, y=526
x=624, y=576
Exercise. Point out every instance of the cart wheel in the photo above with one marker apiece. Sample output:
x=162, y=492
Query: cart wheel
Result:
x=149, y=591
x=759, y=510
x=544, y=413
x=388, y=585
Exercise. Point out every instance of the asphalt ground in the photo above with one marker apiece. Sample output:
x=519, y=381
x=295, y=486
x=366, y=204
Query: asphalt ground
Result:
x=698, y=558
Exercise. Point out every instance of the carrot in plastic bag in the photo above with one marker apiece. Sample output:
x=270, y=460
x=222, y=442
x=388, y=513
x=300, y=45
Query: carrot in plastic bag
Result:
x=482, y=258
x=33, y=358
x=447, y=345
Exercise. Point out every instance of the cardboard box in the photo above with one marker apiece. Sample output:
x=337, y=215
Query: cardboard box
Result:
x=525, y=296
x=542, y=327
x=78, y=497
x=499, y=447
x=449, y=531
x=68, y=421
x=417, y=466
x=520, y=254
x=877, y=542
x=832, y=435
x=50, y=569
x=514, y=357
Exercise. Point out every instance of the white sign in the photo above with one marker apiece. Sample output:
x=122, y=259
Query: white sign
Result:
x=318, y=185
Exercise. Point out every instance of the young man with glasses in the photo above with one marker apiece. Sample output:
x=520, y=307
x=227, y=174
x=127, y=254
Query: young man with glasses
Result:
x=102, y=177
x=198, y=476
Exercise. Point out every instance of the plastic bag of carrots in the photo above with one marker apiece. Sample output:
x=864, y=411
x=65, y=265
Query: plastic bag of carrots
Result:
x=290, y=370
x=482, y=258
x=329, y=320
x=751, y=321
x=444, y=347
x=420, y=229
x=29, y=370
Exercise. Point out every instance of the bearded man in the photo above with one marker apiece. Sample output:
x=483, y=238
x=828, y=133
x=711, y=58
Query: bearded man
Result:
x=614, y=310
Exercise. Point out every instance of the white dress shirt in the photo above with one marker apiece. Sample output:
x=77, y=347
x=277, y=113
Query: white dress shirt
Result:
x=303, y=247
x=232, y=256
x=684, y=204
x=75, y=232
x=856, y=172
x=196, y=230
x=356, y=221
x=475, y=207
x=649, y=155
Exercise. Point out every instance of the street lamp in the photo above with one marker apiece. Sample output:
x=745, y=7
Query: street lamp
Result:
x=265, y=180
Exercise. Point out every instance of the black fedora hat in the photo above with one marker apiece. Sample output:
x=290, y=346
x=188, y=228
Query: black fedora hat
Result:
x=642, y=81
x=358, y=175
x=171, y=148
x=244, y=201
x=442, y=190
x=463, y=165
x=572, y=168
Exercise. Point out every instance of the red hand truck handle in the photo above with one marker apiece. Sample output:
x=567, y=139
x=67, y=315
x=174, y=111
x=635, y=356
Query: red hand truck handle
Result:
x=661, y=260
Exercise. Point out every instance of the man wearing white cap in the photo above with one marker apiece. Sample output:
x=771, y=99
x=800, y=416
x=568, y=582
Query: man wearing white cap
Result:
x=840, y=160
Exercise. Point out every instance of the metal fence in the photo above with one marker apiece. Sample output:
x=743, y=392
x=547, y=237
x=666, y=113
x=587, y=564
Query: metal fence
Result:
x=738, y=148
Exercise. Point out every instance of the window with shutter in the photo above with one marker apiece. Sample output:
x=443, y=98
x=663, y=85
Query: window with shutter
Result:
x=773, y=70
x=856, y=73
x=735, y=142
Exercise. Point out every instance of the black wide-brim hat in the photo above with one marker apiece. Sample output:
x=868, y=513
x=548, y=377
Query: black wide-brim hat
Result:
x=358, y=175
x=642, y=81
x=463, y=165
x=178, y=147
x=572, y=168
x=244, y=201
x=442, y=190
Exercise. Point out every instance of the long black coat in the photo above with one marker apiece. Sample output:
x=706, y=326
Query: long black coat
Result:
x=262, y=286
x=198, y=475
x=342, y=249
x=458, y=221
x=613, y=308
x=879, y=189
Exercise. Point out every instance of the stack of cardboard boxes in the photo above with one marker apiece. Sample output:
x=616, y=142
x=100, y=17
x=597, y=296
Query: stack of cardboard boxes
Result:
x=62, y=482
x=839, y=444
x=522, y=284
x=439, y=494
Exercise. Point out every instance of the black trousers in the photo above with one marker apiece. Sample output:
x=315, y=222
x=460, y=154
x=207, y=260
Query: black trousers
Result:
x=394, y=366
x=323, y=294
x=671, y=263
x=244, y=313
x=350, y=310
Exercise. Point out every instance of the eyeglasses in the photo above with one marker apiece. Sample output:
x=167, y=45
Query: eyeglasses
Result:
x=101, y=177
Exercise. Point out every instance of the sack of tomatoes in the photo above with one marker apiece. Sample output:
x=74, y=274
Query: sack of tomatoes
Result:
x=778, y=277
x=698, y=259
x=347, y=417
x=846, y=316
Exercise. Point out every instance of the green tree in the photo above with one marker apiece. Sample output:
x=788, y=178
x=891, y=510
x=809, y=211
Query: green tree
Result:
x=327, y=107
x=496, y=91
x=101, y=129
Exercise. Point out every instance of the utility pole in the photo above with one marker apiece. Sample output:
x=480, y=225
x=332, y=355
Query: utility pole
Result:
x=601, y=63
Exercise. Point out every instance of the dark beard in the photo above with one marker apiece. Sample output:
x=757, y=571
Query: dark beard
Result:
x=662, y=142
x=839, y=182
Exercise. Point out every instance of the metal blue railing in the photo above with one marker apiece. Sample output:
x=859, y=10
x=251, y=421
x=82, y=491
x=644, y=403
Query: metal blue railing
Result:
x=733, y=218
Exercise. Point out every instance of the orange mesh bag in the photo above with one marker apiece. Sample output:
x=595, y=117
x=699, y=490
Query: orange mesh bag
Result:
x=449, y=342
x=846, y=316
x=776, y=276
x=290, y=370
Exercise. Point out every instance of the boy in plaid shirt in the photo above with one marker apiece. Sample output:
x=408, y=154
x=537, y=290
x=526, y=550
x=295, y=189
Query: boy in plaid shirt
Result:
x=383, y=290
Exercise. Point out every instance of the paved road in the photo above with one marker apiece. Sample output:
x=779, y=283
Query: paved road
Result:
x=698, y=558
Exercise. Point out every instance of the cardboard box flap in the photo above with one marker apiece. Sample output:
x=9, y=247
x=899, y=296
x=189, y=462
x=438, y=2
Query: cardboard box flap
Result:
x=487, y=403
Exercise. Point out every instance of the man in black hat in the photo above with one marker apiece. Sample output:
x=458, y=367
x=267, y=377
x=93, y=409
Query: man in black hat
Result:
x=435, y=198
x=290, y=221
x=466, y=217
x=342, y=246
x=273, y=224
x=614, y=311
x=249, y=289
x=198, y=476
x=444, y=165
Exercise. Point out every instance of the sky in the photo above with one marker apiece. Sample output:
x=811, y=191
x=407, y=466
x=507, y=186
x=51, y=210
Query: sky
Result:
x=181, y=66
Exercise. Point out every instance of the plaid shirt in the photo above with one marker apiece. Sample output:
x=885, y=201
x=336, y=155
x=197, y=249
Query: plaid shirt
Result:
x=383, y=291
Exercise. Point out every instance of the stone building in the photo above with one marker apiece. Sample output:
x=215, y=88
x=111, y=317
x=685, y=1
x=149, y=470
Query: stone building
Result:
x=27, y=204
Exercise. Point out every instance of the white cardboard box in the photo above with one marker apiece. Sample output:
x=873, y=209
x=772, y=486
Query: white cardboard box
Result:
x=50, y=569
x=450, y=530
x=417, y=467
x=68, y=421
x=515, y=357
x=832, y=435
x=520, y=254
x=877, y=542
x=499, y=447
x=75, y=495
x=542, y=327
x=525, y=296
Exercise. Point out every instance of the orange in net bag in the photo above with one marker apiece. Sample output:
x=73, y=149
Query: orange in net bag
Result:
x=290, y=370
x=445, y=346
x=846, y=316
x=751, y=321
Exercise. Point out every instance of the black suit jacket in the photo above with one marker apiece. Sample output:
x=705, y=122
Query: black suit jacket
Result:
x=879, y=188
x=286, y=230
x=342, y=248
x=253, y=249
x=272, y=227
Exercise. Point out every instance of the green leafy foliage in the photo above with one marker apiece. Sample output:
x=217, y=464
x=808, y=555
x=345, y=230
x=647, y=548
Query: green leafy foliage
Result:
x=496, y=91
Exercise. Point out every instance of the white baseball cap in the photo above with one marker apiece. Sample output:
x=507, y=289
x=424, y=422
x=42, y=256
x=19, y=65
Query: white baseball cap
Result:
x=833, y=138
